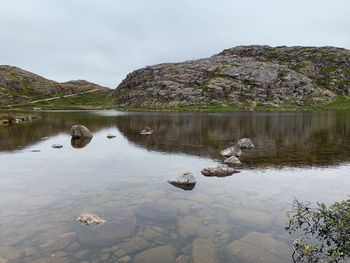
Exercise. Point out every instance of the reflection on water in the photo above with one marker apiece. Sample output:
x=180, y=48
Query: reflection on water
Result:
x=234, y=219
x=80, y=142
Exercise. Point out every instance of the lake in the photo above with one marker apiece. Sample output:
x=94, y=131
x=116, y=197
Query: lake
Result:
x=240, y=218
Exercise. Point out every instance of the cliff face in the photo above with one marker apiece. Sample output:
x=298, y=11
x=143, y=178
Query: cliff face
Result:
x=244, y=76
x=20, y=86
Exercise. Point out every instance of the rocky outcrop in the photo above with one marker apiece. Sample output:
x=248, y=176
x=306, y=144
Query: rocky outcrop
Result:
x=18, y=86
x=244, y=76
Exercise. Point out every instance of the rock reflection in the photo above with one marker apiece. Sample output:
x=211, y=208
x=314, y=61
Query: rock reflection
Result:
x=186, y=187
x=281, y=139
x=80, y=142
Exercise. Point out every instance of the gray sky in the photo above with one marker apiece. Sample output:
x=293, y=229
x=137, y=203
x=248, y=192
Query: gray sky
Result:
x=103, y=40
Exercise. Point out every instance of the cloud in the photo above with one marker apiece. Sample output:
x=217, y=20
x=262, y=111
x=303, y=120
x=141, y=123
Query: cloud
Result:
x=103, y=40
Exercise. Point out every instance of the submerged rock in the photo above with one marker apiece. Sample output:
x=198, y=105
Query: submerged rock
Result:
x=111, y=136
x=156, y=212
x=183, y=259
x=204, y=250
x=162, y=254
x=121, y=225
x=232, y=151
x=221, y=171
x=232, y=160
x=185, y=181
x=80, y=131
x=57, y=146
x=245, y=143
x=147, y=131
x=258, y=247
x=90, y=219
x=80, y=142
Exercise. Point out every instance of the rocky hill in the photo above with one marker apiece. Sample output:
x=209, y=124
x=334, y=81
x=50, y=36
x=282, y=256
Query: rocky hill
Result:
x=18, y=86
x=244, y=76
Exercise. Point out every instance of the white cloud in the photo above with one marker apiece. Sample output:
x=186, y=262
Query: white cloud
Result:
x=103, y=40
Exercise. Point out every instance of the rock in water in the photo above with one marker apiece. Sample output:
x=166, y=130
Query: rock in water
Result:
x=80, y=131
x=156, y=212
x=161, y=254
x=245, y=143
x=232, y=151
x=221, y=171
x=90, y=219
x=232, y=160
x=111, y=136
x=57, y=146
x=146, y=131
x=185, y=181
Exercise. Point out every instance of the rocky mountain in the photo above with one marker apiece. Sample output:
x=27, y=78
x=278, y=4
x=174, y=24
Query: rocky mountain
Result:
x=19, y=86
x=244, y=76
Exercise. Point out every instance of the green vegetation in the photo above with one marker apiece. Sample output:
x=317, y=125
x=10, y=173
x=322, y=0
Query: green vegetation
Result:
x=83, y=102
x=201, y=108
x=341, y=103
x=324, y=232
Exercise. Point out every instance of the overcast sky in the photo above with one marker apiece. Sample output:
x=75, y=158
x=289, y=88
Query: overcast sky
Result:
x=103, y=40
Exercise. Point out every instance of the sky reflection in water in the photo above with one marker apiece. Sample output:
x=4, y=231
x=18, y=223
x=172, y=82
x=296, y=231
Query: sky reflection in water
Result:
x=124, y=180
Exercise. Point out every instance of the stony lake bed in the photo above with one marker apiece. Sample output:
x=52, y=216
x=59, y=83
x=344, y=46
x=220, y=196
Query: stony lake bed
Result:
x=123, y=179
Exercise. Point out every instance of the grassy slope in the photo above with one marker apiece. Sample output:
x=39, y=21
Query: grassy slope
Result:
x=341, y=103
x=84, y=101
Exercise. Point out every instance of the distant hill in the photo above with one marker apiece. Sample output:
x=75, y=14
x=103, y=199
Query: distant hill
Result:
x=18, y=86
x=243, y=77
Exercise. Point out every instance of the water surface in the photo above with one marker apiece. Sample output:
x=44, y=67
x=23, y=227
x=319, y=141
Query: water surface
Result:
x=234, y=219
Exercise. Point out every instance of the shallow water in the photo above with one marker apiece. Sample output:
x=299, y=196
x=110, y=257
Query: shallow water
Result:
x=234, y=219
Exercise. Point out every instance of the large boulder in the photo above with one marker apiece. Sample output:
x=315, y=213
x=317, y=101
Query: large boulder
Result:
x=80, y=131
x=231, y=151
x=233, y=160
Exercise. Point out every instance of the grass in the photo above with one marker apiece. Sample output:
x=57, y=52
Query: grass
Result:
x=341, y=103
x=106, y=101
x=81, y=102
x=200, y=108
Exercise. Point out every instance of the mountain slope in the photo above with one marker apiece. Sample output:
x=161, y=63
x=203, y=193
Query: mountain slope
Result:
x=18, y=86
x=245, y=76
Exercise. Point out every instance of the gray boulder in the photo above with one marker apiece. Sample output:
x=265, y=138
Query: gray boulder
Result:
x=232, y=151
x=80, y=131
x=245, y=143
x=185, y=181
x=232, y=160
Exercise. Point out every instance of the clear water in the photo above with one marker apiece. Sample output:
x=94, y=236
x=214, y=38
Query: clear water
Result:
x=240, y=218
